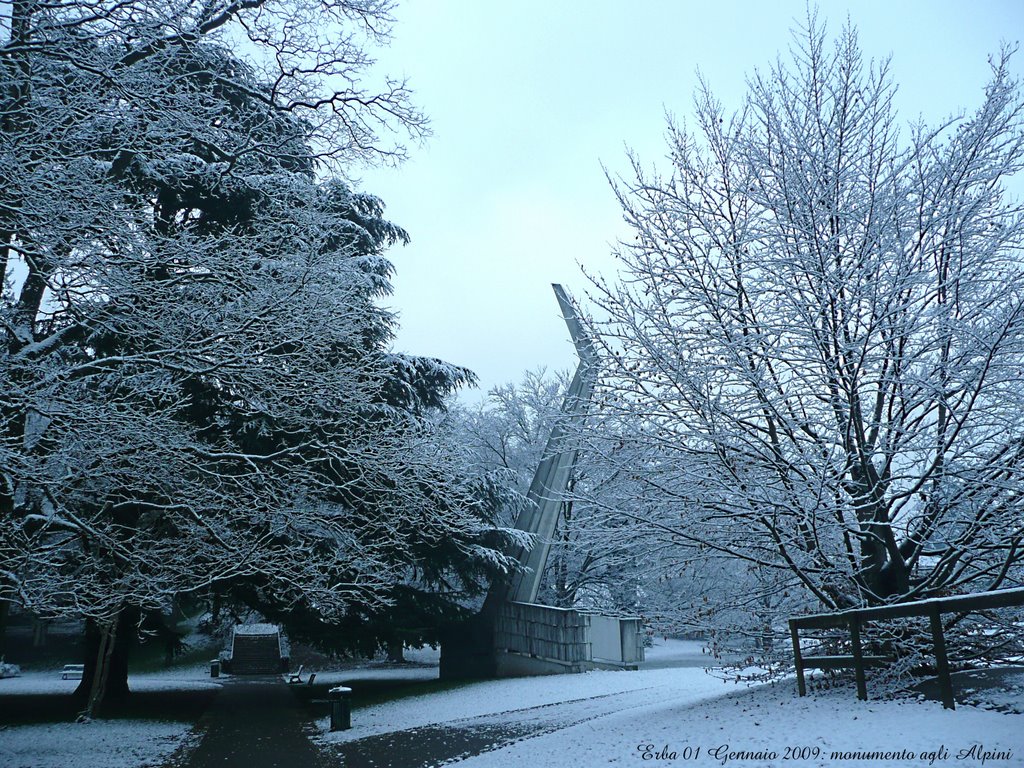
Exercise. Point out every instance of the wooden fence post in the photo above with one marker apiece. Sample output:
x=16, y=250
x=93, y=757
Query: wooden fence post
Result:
x=941, y=660
x=858, y=657
x=797, y=658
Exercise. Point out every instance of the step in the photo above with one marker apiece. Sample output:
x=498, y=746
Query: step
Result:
x=256, y=655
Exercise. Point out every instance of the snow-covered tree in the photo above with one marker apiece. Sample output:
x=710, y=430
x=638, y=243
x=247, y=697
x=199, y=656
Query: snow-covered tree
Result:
x=504, y=438
x=505, y=434
x=195, y=385
x=816, y=345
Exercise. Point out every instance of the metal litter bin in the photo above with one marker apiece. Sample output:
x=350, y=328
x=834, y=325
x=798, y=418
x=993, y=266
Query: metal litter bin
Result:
x=215, y=668
x=341, y=708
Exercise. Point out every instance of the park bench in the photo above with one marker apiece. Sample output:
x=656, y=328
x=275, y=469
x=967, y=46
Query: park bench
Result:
x=295, y=678
x=72, y=672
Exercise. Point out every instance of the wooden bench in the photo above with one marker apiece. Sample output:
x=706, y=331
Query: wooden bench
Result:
x=295, y=678
x=72, y=672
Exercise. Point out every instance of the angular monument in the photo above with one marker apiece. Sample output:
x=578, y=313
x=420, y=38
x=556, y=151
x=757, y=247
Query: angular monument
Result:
x=513, y=634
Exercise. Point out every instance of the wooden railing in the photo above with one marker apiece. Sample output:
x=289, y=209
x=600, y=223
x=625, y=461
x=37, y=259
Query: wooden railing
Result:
x=853, y=620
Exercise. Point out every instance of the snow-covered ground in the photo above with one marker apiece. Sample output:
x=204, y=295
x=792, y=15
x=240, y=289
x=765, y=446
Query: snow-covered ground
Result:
x=767, y=726
x=196, y=677
x=671, y=712
x=422, y=664
x=676, y=712
x=100, y=744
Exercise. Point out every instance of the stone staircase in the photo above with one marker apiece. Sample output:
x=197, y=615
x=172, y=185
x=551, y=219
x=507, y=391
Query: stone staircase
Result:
x=256, y=654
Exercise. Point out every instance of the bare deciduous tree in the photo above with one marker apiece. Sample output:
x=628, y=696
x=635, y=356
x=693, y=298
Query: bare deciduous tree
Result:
x=816, y=345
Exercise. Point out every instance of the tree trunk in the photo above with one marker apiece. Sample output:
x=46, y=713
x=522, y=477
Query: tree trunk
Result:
x=101, y=673
x=564, y=596
x=39, y=628
x=396, y=651
x=105, y=678
x=5, y=611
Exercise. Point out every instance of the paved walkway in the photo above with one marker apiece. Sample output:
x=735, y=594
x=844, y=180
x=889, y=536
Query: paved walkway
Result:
x=261, y=723
x=254, y=722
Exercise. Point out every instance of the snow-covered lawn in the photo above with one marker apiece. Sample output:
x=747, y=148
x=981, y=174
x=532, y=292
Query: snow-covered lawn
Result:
x=195, y=677
x=768, y=726
x=101, y=744
x=423, y=665
x=681, y=714
x=118, y=743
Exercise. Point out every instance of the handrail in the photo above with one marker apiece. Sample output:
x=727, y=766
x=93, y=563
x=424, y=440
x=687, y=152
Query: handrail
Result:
x=979, y=601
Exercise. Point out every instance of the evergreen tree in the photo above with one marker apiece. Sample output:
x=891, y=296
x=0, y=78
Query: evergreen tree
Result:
x=198, y=392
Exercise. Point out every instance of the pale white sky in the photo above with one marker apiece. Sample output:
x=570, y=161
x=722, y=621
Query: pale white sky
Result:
x=529, y=98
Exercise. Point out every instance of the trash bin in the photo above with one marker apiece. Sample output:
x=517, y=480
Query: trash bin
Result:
x=215, y=668
x=341, y=708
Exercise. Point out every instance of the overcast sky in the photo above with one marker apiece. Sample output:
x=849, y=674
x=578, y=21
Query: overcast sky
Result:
x=529, y=100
